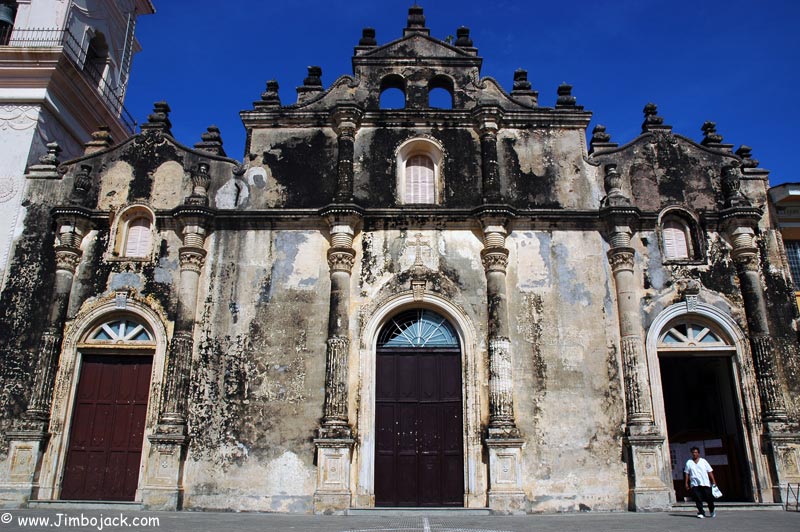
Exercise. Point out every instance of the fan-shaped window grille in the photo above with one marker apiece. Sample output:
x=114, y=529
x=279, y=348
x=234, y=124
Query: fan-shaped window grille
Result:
x=689, y=335
x=123, y=330
x=417, y=329
x=420, y=180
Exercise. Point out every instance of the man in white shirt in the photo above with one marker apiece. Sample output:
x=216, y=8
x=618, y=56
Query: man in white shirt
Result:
x=699, y=475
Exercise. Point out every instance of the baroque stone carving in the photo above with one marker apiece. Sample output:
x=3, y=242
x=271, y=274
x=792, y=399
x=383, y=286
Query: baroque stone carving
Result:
x=192, y=258
x=772, y=400
x=68, y=258
x=341, y=259
x=621, y=259
x=335, y=379
x=495, y=259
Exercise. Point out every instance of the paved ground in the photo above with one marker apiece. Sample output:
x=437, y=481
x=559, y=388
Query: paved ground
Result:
x=732, y=521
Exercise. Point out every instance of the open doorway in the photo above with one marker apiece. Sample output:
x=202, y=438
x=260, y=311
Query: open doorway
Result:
x=702, y=407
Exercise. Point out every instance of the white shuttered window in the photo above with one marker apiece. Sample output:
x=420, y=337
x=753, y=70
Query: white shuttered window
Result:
x=420, y=181
x=676, y=245
x=139, y=238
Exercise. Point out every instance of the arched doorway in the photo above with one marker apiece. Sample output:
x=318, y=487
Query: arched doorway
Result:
x=701, y=404
x=106, y=434
x=419, y=457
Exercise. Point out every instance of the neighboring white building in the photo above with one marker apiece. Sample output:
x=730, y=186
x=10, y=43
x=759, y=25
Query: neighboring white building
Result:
x=64, y=67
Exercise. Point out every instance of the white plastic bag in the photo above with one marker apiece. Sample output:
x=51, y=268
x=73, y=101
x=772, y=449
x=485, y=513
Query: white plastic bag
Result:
x=715, y=491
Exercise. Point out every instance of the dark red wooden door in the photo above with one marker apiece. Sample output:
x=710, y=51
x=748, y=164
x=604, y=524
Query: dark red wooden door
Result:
x=419, y=453
x=105, y=444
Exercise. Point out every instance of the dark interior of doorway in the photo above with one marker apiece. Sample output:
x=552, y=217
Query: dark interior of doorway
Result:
x=702, y=409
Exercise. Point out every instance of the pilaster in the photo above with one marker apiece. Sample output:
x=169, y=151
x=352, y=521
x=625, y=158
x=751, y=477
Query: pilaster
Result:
x=29, y=435
x=162, y=487
x=644, y=444
x=503, y=440
x=335, y=437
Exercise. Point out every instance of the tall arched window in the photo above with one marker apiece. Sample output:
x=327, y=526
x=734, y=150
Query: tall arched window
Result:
x=676, y=240
x=420, y=175
x=139, y=238
x=419, y=172
x=134, y=234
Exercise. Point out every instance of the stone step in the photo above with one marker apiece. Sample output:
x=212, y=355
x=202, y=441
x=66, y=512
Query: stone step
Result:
x=727, y=506
x=422, y=511
x=86, y=505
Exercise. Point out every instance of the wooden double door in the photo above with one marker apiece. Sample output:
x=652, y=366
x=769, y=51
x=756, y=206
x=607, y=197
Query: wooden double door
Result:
x=105, y=444
x=419, y=457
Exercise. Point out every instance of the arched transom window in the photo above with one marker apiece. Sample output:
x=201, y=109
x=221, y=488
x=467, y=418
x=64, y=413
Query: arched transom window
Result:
x=125, y=330
x=418, y=329
x=688, y=335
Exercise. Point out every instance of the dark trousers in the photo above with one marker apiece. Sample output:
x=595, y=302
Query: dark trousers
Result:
x=700, y=494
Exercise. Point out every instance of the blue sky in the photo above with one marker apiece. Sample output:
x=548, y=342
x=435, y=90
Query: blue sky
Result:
x=734, y=62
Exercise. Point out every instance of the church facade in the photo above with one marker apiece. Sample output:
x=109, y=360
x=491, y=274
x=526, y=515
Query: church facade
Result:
x=399, y=305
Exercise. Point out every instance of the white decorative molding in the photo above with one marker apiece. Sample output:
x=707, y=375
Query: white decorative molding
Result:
x=18, y=117
x=8, y=188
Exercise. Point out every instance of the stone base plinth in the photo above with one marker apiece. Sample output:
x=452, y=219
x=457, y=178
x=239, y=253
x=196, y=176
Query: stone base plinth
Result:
x=650, y=490
x=333, y=475
x=505, y=475
x=163, y=476
x=24, y=456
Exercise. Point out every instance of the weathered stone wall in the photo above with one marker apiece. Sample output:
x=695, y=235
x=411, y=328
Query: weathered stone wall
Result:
x=568, y=392
x=258, y=372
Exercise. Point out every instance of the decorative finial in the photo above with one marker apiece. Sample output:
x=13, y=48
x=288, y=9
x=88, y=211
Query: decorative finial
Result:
x=416, y=21
x=462, y=37
x=416, y=18
x=600, y=139
x=652, y=121
x=51, y=157
x=158, y=120
x=745, y=152
x=710, y=136
x=270, y=97
x=211, y=142
x=521, y=82
x=48, y=164
x=565, y=98
x=522, y=91
x=368, y=37
x=312, y=84
x=101, y=139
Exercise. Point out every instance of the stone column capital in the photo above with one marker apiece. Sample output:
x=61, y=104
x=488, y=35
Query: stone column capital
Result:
x=68, y=258
x=495, y=259
x=192, y=258
x=341, y=259
x=346, y=118
x=621, y=259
